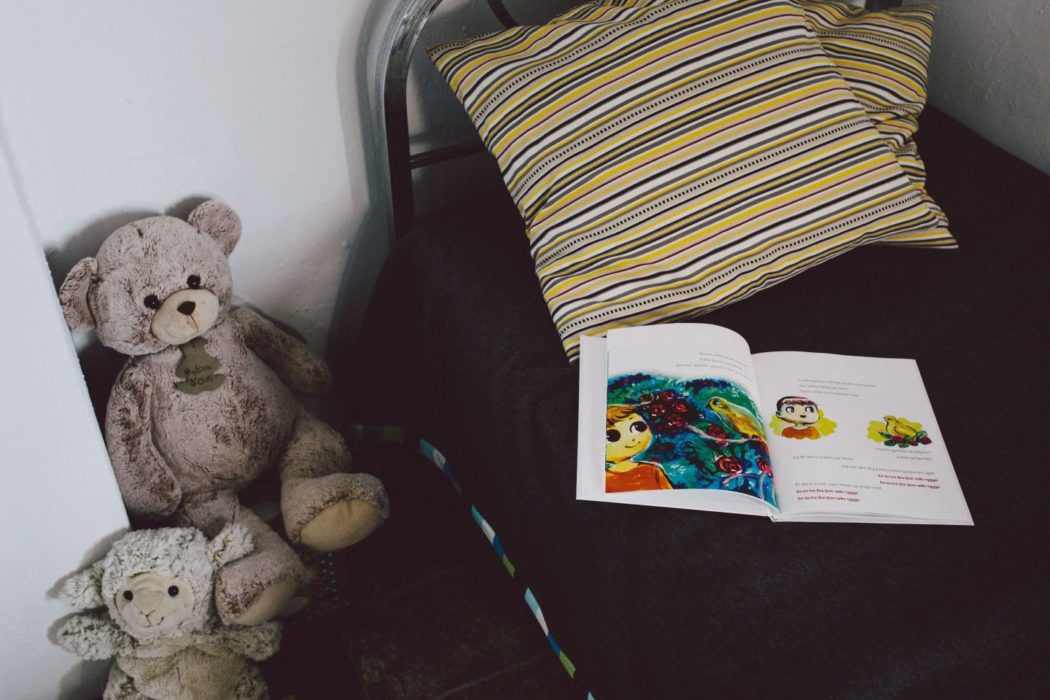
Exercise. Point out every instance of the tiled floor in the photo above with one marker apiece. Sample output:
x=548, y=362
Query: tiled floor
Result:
x=430, y=611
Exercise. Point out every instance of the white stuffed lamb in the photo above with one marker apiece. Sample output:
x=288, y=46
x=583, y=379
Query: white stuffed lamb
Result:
x=160, y=623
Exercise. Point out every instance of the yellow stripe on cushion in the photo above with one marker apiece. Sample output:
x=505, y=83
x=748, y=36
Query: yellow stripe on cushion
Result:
x=671, y=157
x=884, y=57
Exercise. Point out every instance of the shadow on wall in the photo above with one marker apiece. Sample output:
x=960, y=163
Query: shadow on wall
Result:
x=370, y=243
x=988, y=70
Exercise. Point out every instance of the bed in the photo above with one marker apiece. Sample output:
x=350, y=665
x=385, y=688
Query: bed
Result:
x=459, y=349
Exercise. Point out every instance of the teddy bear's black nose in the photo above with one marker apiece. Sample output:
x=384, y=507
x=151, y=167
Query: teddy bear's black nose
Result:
x=187, y=307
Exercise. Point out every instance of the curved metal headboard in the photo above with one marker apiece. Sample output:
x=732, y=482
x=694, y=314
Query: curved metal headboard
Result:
x=392, y=78
x=392, y=137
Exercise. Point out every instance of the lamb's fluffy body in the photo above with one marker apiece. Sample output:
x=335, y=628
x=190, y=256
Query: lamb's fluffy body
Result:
x=189, y=658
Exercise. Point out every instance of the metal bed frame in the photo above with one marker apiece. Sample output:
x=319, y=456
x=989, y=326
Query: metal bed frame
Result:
x=391, y=79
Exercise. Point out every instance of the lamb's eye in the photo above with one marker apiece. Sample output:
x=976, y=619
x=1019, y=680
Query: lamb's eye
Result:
x=151, y=302
x=128, y=595
x=173, y=591
x=193, y=281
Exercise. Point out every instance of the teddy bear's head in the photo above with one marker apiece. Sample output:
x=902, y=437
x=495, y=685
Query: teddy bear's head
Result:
x=155, y=282
x=158, y=584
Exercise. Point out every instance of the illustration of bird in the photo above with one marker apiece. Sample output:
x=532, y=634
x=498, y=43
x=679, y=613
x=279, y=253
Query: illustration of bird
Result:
x=737, y=417
x=900, y=426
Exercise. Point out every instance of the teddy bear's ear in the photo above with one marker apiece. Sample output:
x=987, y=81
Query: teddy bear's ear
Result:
x=232, y=543
x=73, y=295
x=83, y=590
x=218, y=221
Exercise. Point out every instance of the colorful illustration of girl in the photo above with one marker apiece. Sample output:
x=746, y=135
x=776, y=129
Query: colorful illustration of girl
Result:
x=800, y=418
x=627, y=435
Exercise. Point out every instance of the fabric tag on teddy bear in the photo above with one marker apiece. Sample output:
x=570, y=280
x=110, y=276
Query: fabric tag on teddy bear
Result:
x=197, y=368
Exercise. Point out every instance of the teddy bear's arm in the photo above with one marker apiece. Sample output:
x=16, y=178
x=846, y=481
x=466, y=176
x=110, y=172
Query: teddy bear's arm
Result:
x=94, y=636
x=298, y=368
x=146, y=482
x=256, y=642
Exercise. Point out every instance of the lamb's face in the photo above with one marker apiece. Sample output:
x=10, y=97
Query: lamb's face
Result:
x=160, y=282
x=151, y=603
x=158, y=584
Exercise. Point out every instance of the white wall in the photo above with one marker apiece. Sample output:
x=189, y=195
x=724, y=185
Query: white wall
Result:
x=990, y=69
x=59, y=505
x=124, y=108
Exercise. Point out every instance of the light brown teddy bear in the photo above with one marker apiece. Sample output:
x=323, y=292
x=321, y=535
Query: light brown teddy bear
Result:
x=205, y=404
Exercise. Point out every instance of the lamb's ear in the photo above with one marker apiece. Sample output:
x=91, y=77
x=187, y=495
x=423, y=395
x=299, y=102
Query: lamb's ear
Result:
x=73, y=295
x=232, y=543
x=83, y=590
x=218, y=221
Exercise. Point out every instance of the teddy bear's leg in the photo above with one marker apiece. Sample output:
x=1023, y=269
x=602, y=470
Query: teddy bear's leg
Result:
x=257, y=587
x=324, y=507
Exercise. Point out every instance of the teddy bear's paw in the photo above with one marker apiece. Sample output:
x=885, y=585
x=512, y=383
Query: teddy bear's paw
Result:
x=259, y=587
x=341, y=525
x=271, y=602
x=333, y=511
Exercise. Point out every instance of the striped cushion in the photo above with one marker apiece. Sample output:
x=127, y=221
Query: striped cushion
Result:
x=671, y=158
x=883, y=56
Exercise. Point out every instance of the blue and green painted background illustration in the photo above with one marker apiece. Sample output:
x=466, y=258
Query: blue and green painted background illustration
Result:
x=707, y=433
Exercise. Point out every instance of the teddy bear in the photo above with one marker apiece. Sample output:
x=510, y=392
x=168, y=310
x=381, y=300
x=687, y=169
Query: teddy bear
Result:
x=159, y=620
x=206, y=402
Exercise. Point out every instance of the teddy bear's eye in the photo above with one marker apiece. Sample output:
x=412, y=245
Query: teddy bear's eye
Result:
x=193, y=281
x=128, y=595
x=173, y=591
x=151, y=302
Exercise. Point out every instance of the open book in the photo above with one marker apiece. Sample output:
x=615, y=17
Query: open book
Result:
x=684, y=416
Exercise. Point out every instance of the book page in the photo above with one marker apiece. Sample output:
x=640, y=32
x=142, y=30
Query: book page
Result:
x=673, y=419
x=855, y=438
